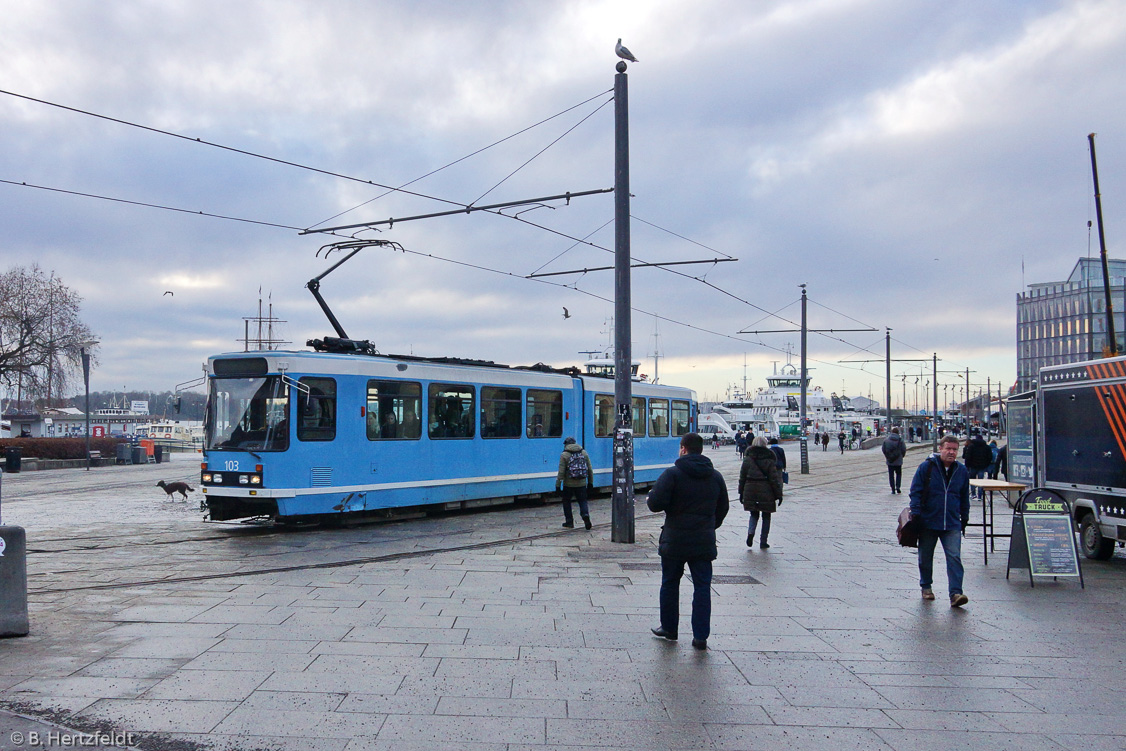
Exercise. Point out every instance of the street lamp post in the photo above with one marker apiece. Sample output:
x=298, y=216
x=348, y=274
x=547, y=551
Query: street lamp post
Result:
x=86, y=382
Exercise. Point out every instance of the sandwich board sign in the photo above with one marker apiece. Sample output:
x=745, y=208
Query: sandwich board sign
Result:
x=1043, y=537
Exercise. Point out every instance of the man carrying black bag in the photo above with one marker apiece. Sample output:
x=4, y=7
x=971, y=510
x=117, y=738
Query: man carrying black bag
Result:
x=940, y=502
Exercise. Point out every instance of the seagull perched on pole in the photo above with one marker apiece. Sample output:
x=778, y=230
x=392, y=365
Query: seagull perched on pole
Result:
x=623, y=53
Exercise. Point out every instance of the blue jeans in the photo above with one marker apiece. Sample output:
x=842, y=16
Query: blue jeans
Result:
x=951, y=547
x=579, y=494
x=976, y=474
x=754, y=523
x=671, y=572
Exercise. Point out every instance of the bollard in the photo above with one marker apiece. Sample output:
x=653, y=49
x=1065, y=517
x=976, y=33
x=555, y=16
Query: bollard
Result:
x=13, y=582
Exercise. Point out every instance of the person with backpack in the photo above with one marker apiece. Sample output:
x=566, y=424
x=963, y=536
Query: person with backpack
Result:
x=940, y=502
x=894, y=450
x=575, y=478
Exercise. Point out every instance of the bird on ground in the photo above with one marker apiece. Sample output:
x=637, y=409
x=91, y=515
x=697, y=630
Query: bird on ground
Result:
x=168, y=292
x=566, y=314
x=624, y=53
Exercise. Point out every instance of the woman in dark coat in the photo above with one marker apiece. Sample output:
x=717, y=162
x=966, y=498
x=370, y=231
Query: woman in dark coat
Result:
x=760, y=488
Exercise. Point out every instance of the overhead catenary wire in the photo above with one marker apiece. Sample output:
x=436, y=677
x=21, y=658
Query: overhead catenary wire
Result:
x=542, y=151
x=330, y=173
x=112, y=199
x=463, y=158
x=603, y=298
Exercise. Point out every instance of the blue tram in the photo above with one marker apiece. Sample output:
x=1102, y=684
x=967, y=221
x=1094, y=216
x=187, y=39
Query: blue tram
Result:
x=307, y=435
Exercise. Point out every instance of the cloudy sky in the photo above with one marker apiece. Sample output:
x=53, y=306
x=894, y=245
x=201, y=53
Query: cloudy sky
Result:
x=913, y=163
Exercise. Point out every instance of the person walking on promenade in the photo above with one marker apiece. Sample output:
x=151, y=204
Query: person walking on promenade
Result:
x=780, y=455
x=575, y=477
x=940, y=501
x=693, y=496
x=894, y=450
x=740, y=443
x=1003, y=461
x=760, y=489
x=977, y=455
x=991, y=470
x=825, y=441
x=841, y=438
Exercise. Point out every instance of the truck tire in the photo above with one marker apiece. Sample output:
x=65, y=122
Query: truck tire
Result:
x=1091, y=540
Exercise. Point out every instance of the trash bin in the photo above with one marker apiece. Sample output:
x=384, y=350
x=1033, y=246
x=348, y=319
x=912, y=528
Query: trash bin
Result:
x=158, y=453
x=12, y=459
x=139, y=456
x=123, y=456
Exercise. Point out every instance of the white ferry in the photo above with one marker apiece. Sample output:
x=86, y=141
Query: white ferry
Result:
x=774, y=411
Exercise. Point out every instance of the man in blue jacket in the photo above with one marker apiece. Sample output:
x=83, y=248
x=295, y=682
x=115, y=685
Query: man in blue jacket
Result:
x=940, y=500
x=693, y=496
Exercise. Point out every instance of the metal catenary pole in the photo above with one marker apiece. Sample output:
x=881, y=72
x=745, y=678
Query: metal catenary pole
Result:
x=934, y=412
x=804, y=433
x=967, y=403
x=622, y=527
x=86, y=381
x=887, y=360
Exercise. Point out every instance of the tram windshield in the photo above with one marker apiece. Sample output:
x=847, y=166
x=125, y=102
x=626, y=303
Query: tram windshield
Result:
x=247, y=414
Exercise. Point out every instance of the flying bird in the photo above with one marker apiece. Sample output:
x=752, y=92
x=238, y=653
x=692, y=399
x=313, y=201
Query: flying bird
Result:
x=623, y=53
x=566, y=314
x=169, y=292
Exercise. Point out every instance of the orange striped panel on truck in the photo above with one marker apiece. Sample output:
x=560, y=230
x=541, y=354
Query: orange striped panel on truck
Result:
x=1112, y=398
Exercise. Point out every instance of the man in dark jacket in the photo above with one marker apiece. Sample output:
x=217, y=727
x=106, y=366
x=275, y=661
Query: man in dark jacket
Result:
x=978, y=456
x=693, y=496
x=940, y=500
x=894, y=450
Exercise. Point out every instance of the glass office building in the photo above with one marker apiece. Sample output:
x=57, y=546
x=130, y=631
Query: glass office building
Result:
x=1062, y=322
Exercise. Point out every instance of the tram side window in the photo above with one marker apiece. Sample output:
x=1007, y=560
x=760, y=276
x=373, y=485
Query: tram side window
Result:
x=603, y=415
x=393, y=410
x=451, y=410
x=681, y=417
x=500, y=412
x=659, y=418
x=638, y=417
x=316, y=409
x=545, y=414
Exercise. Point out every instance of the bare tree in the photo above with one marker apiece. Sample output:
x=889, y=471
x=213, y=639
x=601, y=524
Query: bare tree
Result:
x=41, y=333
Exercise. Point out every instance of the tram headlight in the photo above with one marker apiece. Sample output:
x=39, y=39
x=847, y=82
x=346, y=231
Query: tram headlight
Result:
x=255, y=480
x=206, y=477
x=243, y=480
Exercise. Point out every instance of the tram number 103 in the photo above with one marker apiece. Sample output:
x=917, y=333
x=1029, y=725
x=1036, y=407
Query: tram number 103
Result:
x=231, y=466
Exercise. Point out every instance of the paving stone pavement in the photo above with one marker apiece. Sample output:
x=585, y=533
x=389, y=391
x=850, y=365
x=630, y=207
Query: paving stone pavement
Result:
x=499, y=631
